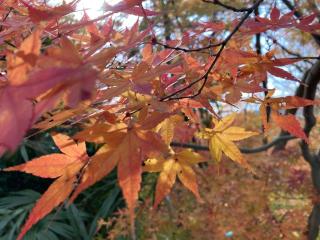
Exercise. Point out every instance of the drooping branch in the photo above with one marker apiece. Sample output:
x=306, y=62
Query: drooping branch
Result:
x=243, y=150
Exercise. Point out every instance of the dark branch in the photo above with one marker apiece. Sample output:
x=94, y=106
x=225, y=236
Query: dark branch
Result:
x=298, y=14
x=229, y=7
x=243, y=150
x=292, y=8
x=313, y=78
x=287, y=50
x=187, y=49
x=206, y=75
x=265, y=82
x=312, y=81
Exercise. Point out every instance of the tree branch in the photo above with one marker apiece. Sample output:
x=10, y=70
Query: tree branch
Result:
x=187, y=49
x=206, y=75
x=229, y=7
x=313, y=159
x=243, y=150
x=287, y=50
x=315, y=36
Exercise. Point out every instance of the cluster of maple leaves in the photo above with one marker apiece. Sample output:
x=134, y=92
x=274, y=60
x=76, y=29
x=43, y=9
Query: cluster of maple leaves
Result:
x=134, y=107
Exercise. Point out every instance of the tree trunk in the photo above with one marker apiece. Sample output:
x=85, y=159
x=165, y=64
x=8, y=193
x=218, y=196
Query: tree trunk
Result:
x=314, y=217
x=312, y=80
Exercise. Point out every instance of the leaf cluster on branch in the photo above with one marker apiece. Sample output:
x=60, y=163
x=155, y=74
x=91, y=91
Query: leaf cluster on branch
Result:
x=135, y=95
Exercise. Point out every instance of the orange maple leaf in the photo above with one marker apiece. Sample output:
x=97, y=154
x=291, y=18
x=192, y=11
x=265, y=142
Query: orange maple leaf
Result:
x=15, y=102
x=290, y=124
x=64, y=166
x=45, y=13
x=286, y=122
x=66, y=72
x=133, y=7
x=127, y=148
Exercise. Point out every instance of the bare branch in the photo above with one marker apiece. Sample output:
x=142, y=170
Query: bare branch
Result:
x=287, y=50
x=187, y=49
x=243, y=150
x=229, y=7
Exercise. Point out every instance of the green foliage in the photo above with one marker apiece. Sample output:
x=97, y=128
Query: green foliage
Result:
x=77, y=221
x=14, y=209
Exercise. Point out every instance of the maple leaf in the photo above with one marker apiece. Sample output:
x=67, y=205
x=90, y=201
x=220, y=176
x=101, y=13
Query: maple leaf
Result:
x=125, y=151
x=236, y=86
x=65, y=72
x=123, y=5
x=276, y=21
x=166, y=128
x=75, y=59
x=177, y=164
x=290, y=124
x=266, y=64
x=126, y=41
x=295, y=102
x=92, y=29
x=221, y=139
x=59, y=117
x=45, y=13
x=20, y=63
x=211, y=26
x=15, y=102
x=125, y=148
x=64, y=166
x=133, y=7
x=16, y=116
x=140, y=80
x=174, y=128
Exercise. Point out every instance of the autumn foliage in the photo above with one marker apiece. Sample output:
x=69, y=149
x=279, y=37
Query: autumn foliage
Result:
x=135, y=95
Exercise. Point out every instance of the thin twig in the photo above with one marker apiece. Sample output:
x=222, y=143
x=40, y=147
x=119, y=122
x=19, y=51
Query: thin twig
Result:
x=229, y=7
x=187, y=49
x=206, y=75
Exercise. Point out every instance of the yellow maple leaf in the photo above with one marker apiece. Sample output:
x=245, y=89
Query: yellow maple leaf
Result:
x=221, y=139
x=176, y=165
x=166, y=128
